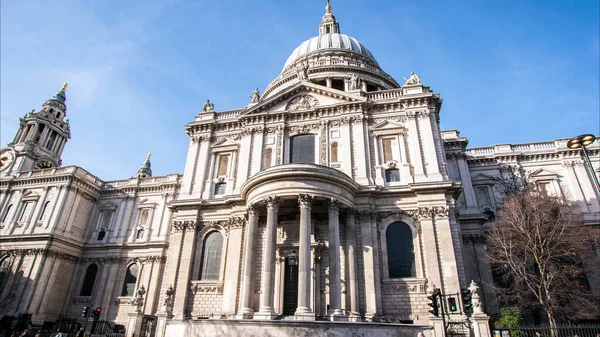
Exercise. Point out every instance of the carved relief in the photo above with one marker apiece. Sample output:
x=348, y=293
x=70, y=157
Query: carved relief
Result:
x=302, y=102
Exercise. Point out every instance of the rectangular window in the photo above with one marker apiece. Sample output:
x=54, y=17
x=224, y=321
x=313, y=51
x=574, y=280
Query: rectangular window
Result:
x=220, y=188
x=144, y=217
x=302, y=149
x=544, y=187
x=106, y=219
x=483, y=196
x=26, y=211
x=223, y=165
x=392, y=175
x=386, y=143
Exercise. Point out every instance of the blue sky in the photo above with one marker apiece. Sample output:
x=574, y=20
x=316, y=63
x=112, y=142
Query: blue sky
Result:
x=509, y=71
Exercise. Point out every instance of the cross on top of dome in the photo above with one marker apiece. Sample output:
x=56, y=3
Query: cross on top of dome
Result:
x=328, y=24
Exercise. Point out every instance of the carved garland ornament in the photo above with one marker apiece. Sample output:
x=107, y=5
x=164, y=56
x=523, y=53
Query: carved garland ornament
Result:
x=302, y=102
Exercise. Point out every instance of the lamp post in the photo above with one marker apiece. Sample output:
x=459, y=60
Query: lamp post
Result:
x=581, y=142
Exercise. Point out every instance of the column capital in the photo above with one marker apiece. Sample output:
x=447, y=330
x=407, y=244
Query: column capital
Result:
x=334, y=205
x=305, y=200
x=252, y=210
x=272, y=201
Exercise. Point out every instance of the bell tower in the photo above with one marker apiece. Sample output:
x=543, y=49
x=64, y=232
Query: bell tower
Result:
x=40, y=139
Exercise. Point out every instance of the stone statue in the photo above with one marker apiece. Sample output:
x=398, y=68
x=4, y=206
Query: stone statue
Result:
x=353, y=82
x=302, y=71
x=139, y=299
x=413, y=79
x=255, y=96
x=208, y=106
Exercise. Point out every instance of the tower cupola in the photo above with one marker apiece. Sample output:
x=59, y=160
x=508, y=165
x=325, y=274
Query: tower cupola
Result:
x=145, y=171
x=328, y=24
x=42, y=135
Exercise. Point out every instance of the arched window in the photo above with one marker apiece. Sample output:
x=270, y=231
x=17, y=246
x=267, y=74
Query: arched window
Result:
x=45, y=211
x=4, y=270
x=211, y=256
x=333, y=153
x=89, y=280
x=302, y=149
x=400, y=250
x=8, y=213
x=268, y=157
x=130, y=280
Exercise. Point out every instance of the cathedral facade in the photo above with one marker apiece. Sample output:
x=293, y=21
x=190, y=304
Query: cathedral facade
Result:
x=333, y=194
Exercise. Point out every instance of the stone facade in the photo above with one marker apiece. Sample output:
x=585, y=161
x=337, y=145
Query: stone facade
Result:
x=286, y=207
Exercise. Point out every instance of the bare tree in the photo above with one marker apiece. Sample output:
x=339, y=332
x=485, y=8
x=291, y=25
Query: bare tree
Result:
x=539, y=243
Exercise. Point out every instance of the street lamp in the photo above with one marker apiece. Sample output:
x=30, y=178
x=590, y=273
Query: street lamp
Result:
x=581, y=142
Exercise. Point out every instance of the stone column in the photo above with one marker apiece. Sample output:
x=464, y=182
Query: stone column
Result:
x=335, y=291
x=416, y=159
x=246, y=291
x=304, y=275
x=268, y=275
x=351, y=244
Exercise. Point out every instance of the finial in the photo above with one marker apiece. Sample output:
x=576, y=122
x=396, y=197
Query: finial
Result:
x=64, y=87
x=148, y=156
x=328, y=8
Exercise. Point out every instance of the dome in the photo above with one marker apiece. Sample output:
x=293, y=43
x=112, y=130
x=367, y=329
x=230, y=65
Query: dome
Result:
x=329, y=42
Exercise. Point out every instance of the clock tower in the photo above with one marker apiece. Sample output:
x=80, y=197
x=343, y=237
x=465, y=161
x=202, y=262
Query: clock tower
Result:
x=40, y=140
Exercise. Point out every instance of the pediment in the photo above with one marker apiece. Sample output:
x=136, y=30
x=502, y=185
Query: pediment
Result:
x=30, y=195
x=145, y=203
x=387, y=125
x=544, y=174
x=107, y=206
x=304, y=96
x=481, y=178
x=225, y=143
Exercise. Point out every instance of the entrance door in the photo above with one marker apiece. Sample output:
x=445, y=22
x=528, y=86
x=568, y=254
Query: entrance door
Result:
x=290, y=292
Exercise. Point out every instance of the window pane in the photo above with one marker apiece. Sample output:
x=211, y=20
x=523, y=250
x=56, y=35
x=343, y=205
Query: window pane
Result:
x=211, y=256
x=144, y=217
x=334, y=153
x=45, y=211
x=8, y=214
x=89, y=280
x=302, y=149
x=268, y=157
x=220, y=188
x=223, y=165
x=26, y=211
x=392, y=175
x=130, y=280
x=483, y=196
x=387, y=149
x=106, y=218
x=400, y=251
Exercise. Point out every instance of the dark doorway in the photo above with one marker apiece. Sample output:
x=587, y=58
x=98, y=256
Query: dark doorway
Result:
x=290, y=286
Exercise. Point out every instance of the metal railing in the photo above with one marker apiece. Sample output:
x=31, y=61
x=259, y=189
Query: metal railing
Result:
x=579, y=330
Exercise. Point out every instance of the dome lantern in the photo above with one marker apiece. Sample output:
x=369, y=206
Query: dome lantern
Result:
x=328, y=24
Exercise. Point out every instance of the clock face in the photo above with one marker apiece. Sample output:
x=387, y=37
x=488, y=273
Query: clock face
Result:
x=6, y=158
x=44, y=164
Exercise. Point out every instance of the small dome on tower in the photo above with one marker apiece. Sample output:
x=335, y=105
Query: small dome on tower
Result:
x=60, y=95
x=145, y=171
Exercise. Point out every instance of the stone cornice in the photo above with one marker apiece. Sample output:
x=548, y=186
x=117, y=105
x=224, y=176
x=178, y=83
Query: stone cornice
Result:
x=40, y=251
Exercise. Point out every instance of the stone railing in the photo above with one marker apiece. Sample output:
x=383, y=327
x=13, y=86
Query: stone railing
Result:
x=559, y=144
x=383, y=95
x=228, y=114
x=74, y=170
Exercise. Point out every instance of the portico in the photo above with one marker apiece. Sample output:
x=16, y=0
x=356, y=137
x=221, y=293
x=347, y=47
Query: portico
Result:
x=294, y=243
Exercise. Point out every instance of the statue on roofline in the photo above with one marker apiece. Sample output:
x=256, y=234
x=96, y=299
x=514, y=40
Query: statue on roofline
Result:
x=413, y=79
x=208, y=106
x=255, y=96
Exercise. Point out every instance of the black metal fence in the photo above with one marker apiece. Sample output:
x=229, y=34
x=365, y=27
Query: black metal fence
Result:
x=574, y=330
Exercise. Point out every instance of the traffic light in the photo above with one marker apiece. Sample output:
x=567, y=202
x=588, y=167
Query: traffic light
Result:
x=96, y=313
x=466, y=299
x=85, y=311
x=433, y=303
x=452, y=304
